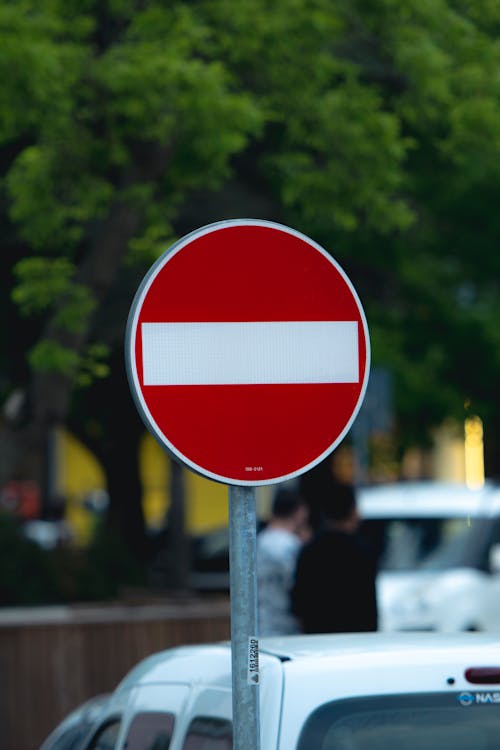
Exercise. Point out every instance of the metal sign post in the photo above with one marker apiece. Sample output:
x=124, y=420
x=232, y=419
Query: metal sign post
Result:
x=210, y=366
x=244, y=636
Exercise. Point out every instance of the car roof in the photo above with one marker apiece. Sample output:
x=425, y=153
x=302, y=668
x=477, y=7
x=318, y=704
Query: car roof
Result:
x=364, y=647
x=211, y=663
x=427, y=499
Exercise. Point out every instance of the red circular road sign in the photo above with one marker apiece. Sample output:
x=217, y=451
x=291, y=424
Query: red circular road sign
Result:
x=247, y=352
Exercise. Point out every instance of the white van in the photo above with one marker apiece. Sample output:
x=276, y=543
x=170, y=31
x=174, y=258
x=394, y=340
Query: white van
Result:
x=417, y=691
x=439, y=554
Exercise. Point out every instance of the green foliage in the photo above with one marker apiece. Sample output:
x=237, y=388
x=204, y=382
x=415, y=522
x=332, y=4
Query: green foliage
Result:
x=72, y=315
x=93, y=365
x=372, y=126
x=49, y=356
x=352, y=162
x=48, y=284
x=52, y=196
x=45, y=283
x=41, y=282
x=41, y=62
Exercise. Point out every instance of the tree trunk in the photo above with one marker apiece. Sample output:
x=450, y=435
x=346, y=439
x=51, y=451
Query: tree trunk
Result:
x=172, y=564
x=24, y=434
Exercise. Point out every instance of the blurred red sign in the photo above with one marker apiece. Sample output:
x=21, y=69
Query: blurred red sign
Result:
x=22, y=498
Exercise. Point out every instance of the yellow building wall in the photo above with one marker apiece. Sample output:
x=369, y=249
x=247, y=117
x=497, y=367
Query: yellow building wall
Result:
x=79, y=474
x=458, y=454
x=154, y=467
x=206, y=501
x=448, y=459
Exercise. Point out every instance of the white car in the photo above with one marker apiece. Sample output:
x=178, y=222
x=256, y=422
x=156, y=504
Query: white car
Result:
x=419, y=691
x=439, y=555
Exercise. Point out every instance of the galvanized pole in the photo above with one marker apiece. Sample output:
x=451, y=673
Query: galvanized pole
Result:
x=244, y=637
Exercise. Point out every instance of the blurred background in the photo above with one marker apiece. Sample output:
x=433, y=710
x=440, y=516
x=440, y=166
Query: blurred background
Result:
x=374, y=128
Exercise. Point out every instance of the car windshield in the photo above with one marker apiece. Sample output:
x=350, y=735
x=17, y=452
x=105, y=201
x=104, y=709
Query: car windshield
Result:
x=429, y=543
x=415, y=722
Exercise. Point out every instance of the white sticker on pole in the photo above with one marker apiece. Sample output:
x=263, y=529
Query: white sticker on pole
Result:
x=253, y=676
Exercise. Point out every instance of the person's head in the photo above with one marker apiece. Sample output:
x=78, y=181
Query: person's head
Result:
x=339, y=506
x=289, y=508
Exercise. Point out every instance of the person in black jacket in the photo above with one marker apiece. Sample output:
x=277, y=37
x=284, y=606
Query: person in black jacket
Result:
x=334, y=589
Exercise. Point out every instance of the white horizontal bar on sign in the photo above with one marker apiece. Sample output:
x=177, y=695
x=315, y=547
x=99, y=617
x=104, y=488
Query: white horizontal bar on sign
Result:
x=250, y=353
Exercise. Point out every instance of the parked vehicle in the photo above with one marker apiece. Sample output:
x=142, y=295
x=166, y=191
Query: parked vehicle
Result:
x=420, y=691
x=439, y=554
x=74, y=729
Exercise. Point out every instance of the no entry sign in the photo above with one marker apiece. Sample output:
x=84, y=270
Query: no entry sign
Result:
x=247, y=352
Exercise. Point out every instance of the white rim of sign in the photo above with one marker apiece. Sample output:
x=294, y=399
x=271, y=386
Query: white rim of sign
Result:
x=185, y=340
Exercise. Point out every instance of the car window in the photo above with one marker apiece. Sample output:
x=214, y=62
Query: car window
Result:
x=106, y=736
x=418, y=722
x=410, y=543
x=208, y=733
x=150, y=730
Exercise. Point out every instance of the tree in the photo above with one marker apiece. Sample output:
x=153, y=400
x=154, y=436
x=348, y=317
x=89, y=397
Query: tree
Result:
x=113, y=117
x=436, y=311
x=368, y=126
